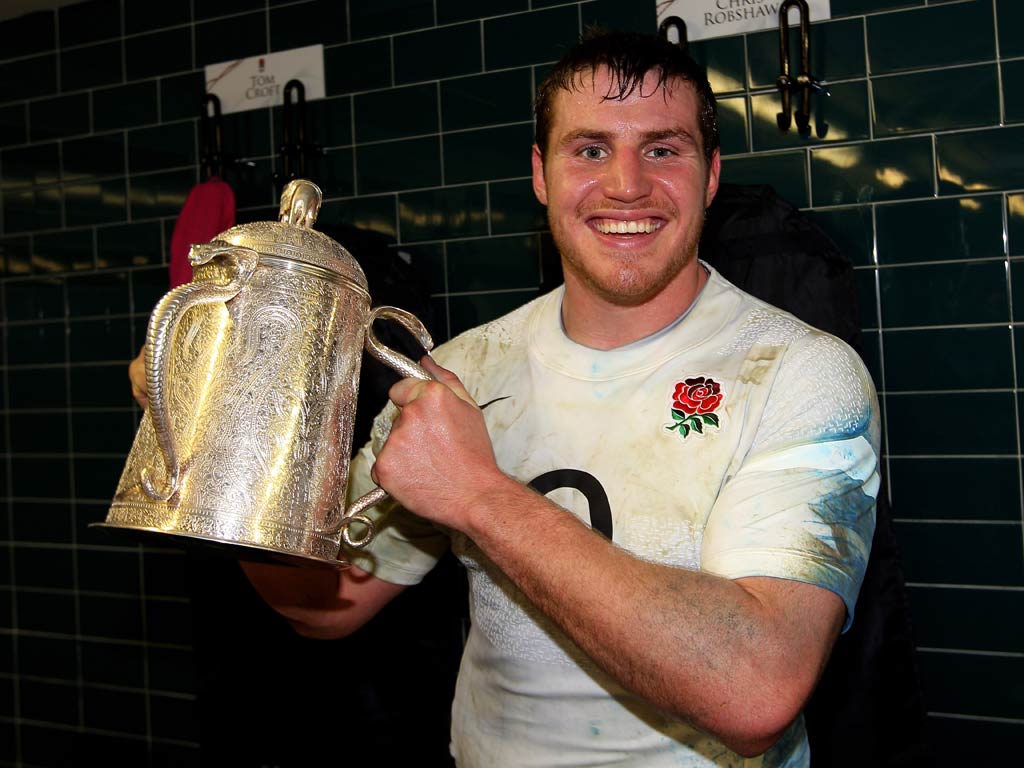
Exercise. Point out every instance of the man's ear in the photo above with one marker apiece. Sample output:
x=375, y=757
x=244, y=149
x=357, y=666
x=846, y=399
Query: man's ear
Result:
x=540, y=189
x=714, y=171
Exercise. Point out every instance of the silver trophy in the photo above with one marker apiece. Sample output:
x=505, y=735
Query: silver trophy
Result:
x=253, y=375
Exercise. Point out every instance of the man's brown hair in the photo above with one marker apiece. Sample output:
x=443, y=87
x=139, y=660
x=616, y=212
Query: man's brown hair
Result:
x=629, y=57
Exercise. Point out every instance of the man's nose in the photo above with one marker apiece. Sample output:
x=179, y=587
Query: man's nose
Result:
x=625, y=178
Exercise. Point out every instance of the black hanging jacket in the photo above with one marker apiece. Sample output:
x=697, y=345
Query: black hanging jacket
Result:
x=867, y=710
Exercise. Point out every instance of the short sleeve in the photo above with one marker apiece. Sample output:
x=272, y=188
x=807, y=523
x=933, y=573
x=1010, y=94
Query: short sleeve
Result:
x=801, y=506
x=406, y=547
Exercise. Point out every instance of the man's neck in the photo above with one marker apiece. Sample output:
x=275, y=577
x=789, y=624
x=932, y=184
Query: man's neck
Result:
x=600, y=324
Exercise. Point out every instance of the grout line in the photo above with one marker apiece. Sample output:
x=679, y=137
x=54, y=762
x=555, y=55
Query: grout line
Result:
x=937, y=262
x=945, y=392
x=955, y=456
x=144, y=621
x=999, y=65
x=1013, y=353
x=397, y=214
x=808, y=176
x=62, y=187
x=883, y=395
x=11, y=571
x=266, y=28
x=981, y=587
x=126, y=160
x=72, y=504
x=483, y=50
x=971, y=652
x=447, y=294
x=977, y=718
x=192, y=36
x=870, y=88
x=93, y=593
x=57, y=726
x=980, y=64
x=746, y=91
x=440, y=127
x=945, y=521
x=124, y=48
x=867, y=47
x=391, y=54
x=352, y=131
x=949, y=327
x=121, y=548
x=160, y=102
x=101, y=686
x=487, y=210
x=57, y=52
x=274, y=156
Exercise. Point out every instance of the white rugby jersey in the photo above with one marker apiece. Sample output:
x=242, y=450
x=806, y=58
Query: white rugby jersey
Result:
x=738, y=440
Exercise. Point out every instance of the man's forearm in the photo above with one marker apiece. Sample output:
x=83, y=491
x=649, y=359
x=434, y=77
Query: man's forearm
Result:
x=714, y=652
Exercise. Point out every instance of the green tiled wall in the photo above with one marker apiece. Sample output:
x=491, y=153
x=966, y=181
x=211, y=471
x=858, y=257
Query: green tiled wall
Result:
x=914, y=165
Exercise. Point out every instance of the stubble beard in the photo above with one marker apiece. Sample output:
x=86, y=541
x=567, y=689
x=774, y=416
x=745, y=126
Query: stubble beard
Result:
x=629, y=284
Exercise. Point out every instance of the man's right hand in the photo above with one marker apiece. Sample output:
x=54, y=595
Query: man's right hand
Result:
x=321, y=603
x=137, y=376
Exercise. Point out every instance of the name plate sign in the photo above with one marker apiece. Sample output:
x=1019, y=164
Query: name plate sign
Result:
x=717, y=18
x=259, y=81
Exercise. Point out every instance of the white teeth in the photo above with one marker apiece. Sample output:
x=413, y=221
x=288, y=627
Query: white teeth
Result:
x=616, y=227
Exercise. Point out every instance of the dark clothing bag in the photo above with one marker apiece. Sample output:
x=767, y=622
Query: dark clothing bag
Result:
x=867, y=709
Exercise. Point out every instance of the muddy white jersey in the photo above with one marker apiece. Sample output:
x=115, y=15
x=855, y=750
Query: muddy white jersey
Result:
x=738, y=441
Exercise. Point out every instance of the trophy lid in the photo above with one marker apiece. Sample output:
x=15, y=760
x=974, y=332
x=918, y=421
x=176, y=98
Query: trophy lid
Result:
x=292, y=237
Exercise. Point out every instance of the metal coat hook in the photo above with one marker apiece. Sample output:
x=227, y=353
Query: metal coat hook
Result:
x=294, y=149
x=676, y=23
x=804, y=80
x=212, y=131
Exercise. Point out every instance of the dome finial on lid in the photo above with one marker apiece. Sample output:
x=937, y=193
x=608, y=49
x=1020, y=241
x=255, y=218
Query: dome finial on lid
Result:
x=300, y=203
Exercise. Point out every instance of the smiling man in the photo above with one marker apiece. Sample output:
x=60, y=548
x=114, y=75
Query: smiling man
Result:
x=666, y=516
x=626, y=181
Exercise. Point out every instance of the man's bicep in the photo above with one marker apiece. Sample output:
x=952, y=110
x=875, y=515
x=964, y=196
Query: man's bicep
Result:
x=804, y=513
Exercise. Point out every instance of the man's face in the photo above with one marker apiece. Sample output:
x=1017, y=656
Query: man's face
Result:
x=626, y=185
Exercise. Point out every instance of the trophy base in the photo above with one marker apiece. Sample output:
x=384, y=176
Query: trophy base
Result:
x=200, y=545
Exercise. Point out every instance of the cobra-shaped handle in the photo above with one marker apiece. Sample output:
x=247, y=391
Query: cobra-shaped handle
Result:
x=160, y=334
x=406, y=368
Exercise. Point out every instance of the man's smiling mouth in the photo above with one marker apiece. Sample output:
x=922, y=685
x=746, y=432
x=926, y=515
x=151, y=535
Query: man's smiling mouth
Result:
x=619, y=227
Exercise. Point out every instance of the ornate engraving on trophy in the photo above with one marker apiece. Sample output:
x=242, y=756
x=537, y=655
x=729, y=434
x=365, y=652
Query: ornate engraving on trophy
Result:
x=258, y=363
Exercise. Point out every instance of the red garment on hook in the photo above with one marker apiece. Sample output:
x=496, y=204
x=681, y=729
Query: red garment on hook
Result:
x=209, y=209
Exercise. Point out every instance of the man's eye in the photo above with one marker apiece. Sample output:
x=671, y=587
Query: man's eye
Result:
x=660, y=152
x=593, y=153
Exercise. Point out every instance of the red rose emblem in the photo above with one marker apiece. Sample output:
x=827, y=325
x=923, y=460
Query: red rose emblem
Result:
x=694, y=402
x=697, y=395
